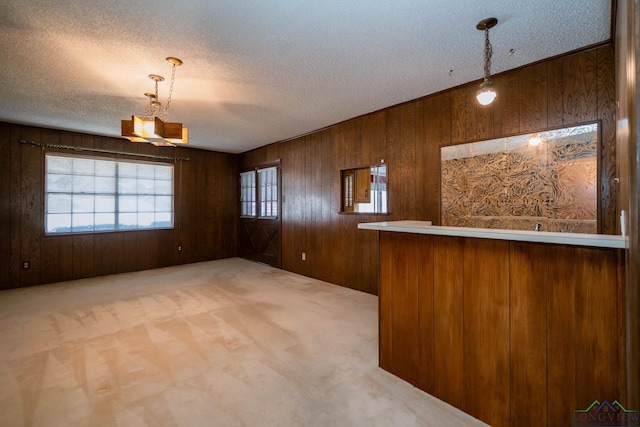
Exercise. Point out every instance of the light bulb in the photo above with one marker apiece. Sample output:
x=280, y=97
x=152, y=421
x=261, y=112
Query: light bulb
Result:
x=485, y=94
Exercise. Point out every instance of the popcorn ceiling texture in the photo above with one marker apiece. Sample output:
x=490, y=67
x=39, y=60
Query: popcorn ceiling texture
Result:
x=256, y=72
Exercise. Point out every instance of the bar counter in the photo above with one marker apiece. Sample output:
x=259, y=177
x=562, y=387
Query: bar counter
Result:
x=512, y=327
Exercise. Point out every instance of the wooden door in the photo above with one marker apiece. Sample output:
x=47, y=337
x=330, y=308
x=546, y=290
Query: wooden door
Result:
x=261, y=220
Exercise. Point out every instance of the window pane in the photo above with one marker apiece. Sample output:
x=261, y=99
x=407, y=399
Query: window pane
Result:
x=83, y=203
x=83, y=166
x=127, y=170
x=58, y=223
x=146, y=203
x=105, y=168
x=127, y=185
x=105, y=221
x=163, y=219
x=128, y=203
x=163, y=204
x=146, y=186
x=146, y=219
x=164, y=172
x=146, y=171
x=105, y=204
x=128, y=220
x=164, y=187
x=83, y=184
x=59, y=183
x=105, y=185
x=59, y=203
x=82, y=222
x=57, y=164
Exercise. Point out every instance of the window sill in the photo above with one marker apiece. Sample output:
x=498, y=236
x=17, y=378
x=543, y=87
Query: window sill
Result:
x=365, y=213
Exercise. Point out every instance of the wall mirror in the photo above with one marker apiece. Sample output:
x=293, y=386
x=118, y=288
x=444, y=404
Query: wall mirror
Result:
x=548, y=178
x=364, y=189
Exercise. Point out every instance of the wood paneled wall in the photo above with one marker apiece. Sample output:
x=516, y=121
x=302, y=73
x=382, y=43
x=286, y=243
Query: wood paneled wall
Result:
x=513, y=333
x=206, y=213
x=567, y=90
x=627, y=57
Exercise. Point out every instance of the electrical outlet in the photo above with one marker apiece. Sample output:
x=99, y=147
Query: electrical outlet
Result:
x=179, y=248
x=25, y=265
x=304, y=256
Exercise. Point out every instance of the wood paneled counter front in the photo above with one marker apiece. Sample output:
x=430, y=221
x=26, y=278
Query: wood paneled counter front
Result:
x=514, y=328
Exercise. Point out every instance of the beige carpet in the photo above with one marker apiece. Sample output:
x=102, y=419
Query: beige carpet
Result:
x=221, y=343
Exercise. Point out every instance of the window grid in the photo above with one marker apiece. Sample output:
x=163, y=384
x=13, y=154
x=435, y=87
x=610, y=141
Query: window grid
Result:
x=88, y=195
x=268, y=189
x=248, y=194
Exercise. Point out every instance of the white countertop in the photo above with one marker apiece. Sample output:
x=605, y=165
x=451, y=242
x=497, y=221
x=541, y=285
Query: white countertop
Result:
x=425, y=227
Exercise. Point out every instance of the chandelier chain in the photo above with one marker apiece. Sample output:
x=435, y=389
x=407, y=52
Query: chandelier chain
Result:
x=166, y=108
x=488, y=53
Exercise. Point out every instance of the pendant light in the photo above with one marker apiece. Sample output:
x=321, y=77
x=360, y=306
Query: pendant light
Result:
x=152, y=126
x=486, y=94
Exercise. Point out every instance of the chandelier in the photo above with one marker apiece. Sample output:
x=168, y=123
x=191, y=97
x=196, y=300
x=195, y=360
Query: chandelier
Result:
x=152, y=126
x=486, y=94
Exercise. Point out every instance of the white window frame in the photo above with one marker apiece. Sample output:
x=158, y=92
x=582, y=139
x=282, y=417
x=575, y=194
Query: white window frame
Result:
x=248, y=194
x=259, y=193
x=107, y=196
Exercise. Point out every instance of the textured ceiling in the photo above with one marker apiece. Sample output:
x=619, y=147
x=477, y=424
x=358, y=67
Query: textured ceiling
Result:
x=258, y=71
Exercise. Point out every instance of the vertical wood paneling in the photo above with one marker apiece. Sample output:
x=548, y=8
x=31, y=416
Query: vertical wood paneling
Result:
x=561, y=350
x=421, y=154
x=608, y=164
x=384, y=302
x=66, y=258
x=408, y=166
x=335, y=241
x=437, y=134
x=471, y=107
x=5, y=205
x=297, y=205
x=394, y=166
x=425, y=325
x=31, y=212
x=324, y=255
x=596, y=335
x=404, y=305
x=528, y=313
x=483, y=115
x=50, y=260
x=514, y=333
x=486, y=331
x=82, y=256
x=448, y=320
x=506, y=107
x=533, y=98
x=458, y=116
x=555, y=97
x=108, y=254
x=313, y=212
x=580, y=97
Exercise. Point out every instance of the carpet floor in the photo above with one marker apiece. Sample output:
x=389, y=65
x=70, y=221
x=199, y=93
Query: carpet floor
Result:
x=219, y=343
